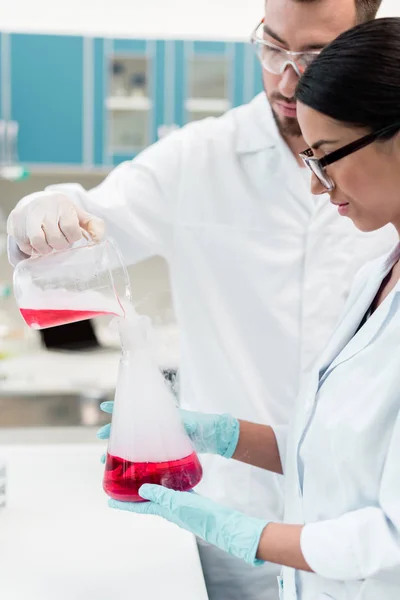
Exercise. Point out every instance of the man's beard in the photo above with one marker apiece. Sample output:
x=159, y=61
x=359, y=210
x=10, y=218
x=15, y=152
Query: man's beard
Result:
x=288, y=126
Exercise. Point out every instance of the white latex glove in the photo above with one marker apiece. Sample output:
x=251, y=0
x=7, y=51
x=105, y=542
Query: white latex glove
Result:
x=46, y=221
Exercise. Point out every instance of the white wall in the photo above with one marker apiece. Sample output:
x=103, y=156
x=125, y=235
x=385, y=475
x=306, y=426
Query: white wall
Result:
x=390, y=8
x=201, y=19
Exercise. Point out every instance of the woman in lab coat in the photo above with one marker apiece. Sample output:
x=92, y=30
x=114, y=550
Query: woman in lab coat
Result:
x=341, y=454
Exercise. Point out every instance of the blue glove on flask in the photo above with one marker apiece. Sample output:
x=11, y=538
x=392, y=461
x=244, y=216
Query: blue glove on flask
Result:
x=210, y=434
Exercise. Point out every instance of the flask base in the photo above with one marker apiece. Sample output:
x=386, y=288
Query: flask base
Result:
x=123, y=478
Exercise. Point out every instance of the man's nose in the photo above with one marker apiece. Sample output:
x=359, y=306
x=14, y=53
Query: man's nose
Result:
x=288, y=82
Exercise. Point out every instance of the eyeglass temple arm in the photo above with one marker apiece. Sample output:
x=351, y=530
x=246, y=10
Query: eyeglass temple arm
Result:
x=354, y=146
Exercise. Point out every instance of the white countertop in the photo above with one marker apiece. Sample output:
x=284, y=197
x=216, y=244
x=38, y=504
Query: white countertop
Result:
x=45, y=372
x=60, y=541
x=55, y=372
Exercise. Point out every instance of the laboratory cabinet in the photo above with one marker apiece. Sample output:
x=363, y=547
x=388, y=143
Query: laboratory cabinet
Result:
x=41, y=91
x=94, y=102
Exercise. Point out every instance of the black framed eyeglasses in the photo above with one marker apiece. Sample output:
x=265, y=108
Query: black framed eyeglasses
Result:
x=318, y=165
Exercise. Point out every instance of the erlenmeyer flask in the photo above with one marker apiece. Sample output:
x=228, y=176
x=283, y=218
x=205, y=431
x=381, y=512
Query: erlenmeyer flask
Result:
x=148, y=443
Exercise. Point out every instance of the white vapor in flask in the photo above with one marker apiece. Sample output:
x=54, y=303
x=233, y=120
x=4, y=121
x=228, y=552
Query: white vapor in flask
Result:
x=148, y=443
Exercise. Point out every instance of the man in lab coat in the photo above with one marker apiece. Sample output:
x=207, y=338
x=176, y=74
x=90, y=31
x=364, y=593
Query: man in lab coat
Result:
x=259, y=267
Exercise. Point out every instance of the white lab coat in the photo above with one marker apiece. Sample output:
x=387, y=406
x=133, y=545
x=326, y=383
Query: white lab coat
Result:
x=342, y=465
x=260, y=270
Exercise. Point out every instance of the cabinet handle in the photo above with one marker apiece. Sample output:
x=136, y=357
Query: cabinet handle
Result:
x=12, y=129
x=3, y=143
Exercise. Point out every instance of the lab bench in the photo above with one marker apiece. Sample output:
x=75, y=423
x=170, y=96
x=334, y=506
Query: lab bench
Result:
x=60, y=540
x=46, y=388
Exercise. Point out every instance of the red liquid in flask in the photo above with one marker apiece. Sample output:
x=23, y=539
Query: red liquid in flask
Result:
x=122, y=478
x=42, y=318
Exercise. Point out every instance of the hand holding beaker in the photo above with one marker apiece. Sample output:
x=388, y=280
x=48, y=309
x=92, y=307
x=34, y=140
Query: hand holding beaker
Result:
x=46, y=221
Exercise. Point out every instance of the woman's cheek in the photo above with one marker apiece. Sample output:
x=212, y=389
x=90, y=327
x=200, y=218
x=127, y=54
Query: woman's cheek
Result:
x=351, y=182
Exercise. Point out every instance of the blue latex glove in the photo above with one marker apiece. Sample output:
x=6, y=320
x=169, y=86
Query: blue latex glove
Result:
x=210, y=434
x=228, y=529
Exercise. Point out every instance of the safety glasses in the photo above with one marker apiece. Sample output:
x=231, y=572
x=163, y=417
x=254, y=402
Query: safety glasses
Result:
x=275, y=59
x=318, y=165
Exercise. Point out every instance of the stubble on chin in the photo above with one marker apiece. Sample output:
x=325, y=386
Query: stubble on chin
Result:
x=288, y=126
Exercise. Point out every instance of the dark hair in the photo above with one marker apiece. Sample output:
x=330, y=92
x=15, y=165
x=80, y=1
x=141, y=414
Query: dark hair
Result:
x=356, y=79
x=366, y=9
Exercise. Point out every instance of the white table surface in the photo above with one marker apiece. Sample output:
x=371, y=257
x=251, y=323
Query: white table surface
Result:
x=47, y=373
x=44, y=372
x=60, y=541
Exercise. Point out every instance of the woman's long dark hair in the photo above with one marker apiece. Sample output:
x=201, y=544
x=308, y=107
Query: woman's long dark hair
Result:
x=356, y=79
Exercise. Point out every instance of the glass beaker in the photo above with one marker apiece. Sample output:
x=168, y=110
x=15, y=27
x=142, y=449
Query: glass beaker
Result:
x=72, y=285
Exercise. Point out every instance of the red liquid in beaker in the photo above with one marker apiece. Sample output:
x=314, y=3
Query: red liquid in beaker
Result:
x=122, y=478
x=42, y=318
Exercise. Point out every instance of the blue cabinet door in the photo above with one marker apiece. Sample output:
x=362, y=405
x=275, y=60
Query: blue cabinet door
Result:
x=5, y=90
x=100, y=94
x=129, y=97
x=205, y=79
x=251, y=75
x=2, y=79
x=238, y=91
x=47, y=97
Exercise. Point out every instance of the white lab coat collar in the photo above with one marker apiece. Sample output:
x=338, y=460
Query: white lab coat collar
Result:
x=345, y=338
x=393, y=257
x=260, y=130
x=345, y=342
x=257, y=132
